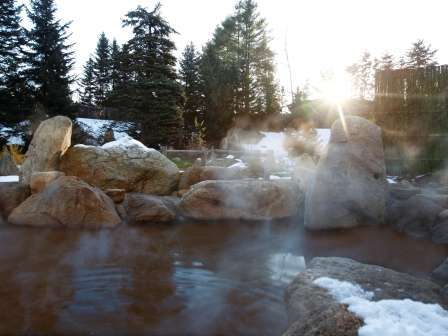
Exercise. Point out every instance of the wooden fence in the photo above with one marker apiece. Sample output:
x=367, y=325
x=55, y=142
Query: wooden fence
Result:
x=411, y=106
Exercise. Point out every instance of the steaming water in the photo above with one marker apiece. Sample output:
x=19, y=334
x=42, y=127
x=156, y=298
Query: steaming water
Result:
x=188, y=278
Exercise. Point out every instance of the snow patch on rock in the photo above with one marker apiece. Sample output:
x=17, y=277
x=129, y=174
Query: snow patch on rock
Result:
x=388, y=317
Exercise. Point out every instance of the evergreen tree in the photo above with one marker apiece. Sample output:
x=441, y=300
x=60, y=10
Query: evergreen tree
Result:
x=88, y=84
x=258, y=91
x=49, y=58
x=13, y=86
x=363, y=76
x=193, y=89
x=420, y=55
x=386, y=62
x=238, y=70
x=115, y=65
x=148, y=92
x=102, y=70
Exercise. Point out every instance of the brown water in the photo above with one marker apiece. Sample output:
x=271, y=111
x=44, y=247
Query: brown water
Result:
x=183, y=279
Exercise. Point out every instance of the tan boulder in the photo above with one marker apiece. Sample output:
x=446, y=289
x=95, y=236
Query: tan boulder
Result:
x=196, y=174
x=12, y=194
x=7, y=165
x=242, y=199
x=67, y=202
x=50, y=141
x=141, y=208
x=123, y=164
x=40, y=180
x=116, y=195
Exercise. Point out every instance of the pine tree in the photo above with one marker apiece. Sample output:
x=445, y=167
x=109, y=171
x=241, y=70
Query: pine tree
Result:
x=14, y=98
x=49, y=58
x=193, y=89
x=114, y=65
x=258, y=91
x=148, y=92
x=238, y=71
x=102, y=70
x=386, y=62
x=420, y=55
x=363, y=76
x=88, y=84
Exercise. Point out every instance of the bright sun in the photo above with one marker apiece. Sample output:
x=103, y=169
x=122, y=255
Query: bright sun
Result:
x=336, y=89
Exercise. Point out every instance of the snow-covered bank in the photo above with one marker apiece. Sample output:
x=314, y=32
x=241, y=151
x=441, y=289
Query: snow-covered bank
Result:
x=388, y=317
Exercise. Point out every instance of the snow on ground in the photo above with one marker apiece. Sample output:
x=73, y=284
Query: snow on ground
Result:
x=275, y=177
x=12, y=178
x=388, y=317
x=239, y=164
x=273, y=141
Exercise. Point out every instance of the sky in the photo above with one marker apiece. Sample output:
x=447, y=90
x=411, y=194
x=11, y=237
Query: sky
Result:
x=320, y=35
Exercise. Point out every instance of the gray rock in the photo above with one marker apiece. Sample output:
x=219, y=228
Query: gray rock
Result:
x=12, y=194
x=50, y=141
x=141, y=208
x=313, y=311
x=402, y=191
x=242, y=199
x=439, y=231
x=350, y=187
x=67, y=202
x=415, y=216
x=127, y=165
x=441, y=272
x=7, y=165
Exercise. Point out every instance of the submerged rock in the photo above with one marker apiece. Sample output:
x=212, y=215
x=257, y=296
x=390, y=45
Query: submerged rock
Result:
x=12, y=194
x=50, y=141
x=312, y=310
x=123, y=164
x=242, y=199
x=141, y=208
x=67, y=202
x=350, y=187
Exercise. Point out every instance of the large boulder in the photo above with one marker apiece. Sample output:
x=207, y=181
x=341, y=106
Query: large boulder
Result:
x=50, y=141
x=312, y=310
x=142, y=208
x=67, y=202
x=12, y=194
x=123, y=164
x=414, y=216
x=350, y=187
x=7, y=165
x=40, y=180
x=196, y=174
x=242, y=199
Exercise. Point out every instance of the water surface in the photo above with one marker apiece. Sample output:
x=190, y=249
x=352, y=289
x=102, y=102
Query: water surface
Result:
x=181, y=279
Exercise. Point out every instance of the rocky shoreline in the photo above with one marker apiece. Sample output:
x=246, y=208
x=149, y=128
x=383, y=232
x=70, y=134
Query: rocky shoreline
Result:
x=88, y=187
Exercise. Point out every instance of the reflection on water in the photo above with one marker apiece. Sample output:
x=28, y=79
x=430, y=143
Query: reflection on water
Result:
x=285, y=266
x=188, y=278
